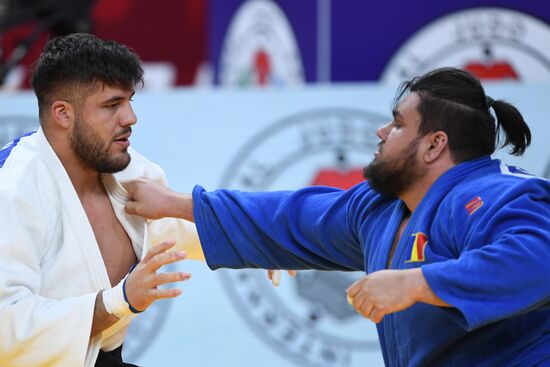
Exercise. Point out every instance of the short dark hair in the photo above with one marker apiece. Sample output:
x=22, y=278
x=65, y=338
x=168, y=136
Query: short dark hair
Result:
x=81, y=60
x=454, y=101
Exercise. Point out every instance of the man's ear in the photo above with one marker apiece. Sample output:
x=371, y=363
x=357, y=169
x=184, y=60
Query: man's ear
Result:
x=62, y=114
x=437, y=143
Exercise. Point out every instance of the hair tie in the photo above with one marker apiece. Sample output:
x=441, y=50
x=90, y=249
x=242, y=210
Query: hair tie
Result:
x=489, y=101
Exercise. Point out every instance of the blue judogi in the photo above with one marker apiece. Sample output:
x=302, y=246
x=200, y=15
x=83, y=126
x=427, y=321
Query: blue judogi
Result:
x=481, y=236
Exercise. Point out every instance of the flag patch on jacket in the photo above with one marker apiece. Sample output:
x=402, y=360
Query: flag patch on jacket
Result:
x=419, y=246
x=474, y=205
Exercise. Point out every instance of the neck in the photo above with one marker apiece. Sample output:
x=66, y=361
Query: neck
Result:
x=414, y=195
x=85, y=180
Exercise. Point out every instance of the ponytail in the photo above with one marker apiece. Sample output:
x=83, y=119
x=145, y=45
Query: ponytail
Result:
x=454, y=101
x=510, y=120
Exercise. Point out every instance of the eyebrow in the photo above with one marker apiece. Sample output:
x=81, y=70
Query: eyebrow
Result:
x=396, y=114
x=118, y=98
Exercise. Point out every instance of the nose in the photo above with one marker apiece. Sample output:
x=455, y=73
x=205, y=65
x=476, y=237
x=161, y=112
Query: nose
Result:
x=383, y=131
x=129, y=118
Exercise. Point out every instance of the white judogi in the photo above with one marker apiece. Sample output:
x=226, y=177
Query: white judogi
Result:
x=50, y=264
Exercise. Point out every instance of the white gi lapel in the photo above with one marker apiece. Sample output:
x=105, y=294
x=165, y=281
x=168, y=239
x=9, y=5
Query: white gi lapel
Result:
x=78, y=231
x=136, y=227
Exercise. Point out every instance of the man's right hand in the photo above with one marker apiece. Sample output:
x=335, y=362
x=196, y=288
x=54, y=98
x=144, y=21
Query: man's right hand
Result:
x=142, y=283
x=152, y=200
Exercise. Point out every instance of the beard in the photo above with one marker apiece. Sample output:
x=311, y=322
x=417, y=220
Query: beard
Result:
x=393, y=177
x=91, y=150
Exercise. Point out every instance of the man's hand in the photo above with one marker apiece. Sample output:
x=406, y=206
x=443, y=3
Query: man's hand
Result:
x=388, y=291
x=142, y=283
x=152, y=200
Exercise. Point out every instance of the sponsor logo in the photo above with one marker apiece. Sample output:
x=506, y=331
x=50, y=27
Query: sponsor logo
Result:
x=418, y=248
x=260, y=48
x=474, y=205
x=307, y=319
x=492, y=43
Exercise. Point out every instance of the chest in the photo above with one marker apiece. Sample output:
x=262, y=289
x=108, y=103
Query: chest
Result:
x=395, y=241
x=113, y=241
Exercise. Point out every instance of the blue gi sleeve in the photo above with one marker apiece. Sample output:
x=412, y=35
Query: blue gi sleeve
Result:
x=503, y=267
x=311, y=228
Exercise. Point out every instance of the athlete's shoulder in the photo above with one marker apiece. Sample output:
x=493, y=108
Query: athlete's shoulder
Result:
x=496, y=186
x=500, y=177
x=22, y=165
x=18, y=152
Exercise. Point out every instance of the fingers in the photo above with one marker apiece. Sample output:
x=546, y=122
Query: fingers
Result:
x=166, y=293
x=366, y=308
x=165, y=258
x=276, y=278
x=164, y=246
x=129, y=185
x=131, y=207
x=376, y=316
x=152, y=295
x=165, y=278
x=142, y=284
x=354, y=289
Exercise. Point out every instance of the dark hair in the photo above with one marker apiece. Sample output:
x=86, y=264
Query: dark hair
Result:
x=81, y=60
x=453, y=101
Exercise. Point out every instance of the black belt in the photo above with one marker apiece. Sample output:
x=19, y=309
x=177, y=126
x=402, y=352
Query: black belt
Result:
x=112, y=359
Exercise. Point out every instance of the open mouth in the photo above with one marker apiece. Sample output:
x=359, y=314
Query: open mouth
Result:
x=379, y=150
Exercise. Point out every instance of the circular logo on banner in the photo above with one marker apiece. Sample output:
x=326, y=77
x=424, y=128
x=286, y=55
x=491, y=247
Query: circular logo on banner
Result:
x=12, y=127
x=307, y=319
x=491, y=43
x=260, y=48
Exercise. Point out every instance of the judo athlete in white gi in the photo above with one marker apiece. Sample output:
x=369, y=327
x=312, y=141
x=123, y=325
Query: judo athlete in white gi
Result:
x=66, y=243
x=456, y=245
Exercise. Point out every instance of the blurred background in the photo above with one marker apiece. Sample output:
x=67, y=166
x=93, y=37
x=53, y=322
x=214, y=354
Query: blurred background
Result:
x=286, y=42
x=277, y=94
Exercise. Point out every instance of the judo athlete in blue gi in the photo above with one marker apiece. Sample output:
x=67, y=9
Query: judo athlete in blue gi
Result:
x=456, y=245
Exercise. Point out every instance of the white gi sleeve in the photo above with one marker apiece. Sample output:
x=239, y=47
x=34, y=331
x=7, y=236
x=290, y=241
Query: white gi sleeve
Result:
x=34, y=330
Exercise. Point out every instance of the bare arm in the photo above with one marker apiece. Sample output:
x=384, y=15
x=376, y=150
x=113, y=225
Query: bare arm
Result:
x=101, y=320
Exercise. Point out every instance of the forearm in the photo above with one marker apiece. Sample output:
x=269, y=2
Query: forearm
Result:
x=182, y=207
x=423, y=291
x=101, y=319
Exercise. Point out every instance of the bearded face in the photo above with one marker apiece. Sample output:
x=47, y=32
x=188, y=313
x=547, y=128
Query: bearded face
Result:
x=94, y=151
x=392, y=176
